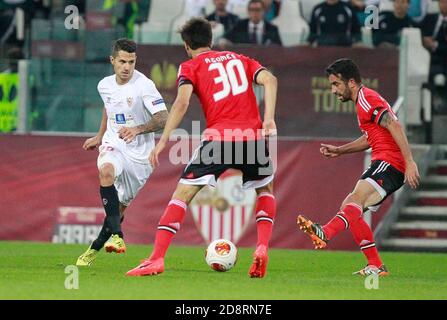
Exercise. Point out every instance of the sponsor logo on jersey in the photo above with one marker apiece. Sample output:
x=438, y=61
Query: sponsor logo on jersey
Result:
x=120, y=118
x=159, y=101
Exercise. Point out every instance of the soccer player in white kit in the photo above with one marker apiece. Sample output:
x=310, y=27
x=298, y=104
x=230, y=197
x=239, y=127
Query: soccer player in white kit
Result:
x=133, y=111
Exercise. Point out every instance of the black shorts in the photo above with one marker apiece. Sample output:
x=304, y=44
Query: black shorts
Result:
x=212, y=158
x=384, y=178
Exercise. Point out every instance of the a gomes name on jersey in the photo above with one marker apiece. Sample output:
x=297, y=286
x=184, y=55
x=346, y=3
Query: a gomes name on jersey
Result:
x=228, y=56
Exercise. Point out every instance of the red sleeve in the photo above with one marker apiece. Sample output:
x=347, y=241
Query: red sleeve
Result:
x=372, y=108
x=253, y=67
x=185, y=75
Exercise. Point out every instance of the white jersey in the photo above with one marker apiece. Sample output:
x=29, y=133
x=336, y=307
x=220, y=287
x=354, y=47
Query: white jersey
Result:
x=130, y=105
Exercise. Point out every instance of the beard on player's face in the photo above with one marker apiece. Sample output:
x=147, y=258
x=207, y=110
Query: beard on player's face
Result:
x=346, y=95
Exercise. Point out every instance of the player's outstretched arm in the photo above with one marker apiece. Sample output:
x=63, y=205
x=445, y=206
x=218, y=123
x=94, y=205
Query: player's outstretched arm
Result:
x=178, y=110
x=270, y=83
x=411, y=172
x=92, y=143
x=330, y=151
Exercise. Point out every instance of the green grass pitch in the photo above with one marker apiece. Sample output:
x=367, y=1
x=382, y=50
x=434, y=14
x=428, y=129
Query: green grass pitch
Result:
x=36, y=271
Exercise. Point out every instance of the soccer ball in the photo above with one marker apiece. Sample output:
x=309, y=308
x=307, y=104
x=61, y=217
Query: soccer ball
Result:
x=221, y=255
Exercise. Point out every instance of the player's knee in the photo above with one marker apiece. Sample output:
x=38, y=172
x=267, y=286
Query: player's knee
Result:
x=185, y=193
x=107, y=174
x=354, y=197
x=265, y=189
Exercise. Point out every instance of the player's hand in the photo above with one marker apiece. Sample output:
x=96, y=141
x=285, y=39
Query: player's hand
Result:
x=91, y=143
x=153, y=158
x=269, y=128
x=412, y=174
x=329, y=151
x=128, y=134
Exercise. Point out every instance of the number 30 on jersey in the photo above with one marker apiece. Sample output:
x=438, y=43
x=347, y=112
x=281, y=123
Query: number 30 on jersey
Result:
x=228, y=78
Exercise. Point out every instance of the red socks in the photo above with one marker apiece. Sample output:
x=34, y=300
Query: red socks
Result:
x=342, y=220
x=174, y=214
x=265, y=214
x=168, y=226
x=363, y=236
x=351, y=218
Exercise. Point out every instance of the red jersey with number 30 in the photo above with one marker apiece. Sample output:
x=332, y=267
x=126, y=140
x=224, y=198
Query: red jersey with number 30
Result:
x=370, y=109
x=223, y=82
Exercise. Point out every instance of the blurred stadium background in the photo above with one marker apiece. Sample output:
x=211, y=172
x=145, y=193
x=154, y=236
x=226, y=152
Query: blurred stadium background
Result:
x=49, y=104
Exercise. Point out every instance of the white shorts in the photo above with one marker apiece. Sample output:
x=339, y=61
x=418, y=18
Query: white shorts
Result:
x=130, y=176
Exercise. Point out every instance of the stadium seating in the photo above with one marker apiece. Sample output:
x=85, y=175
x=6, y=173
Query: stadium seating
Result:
x=433, y=7
x=162, y=14
x=416, y=61
x=40, y=29
x=239, y=8
x=292, y=27
x=209, y=8
x=367, y=37
x=307, y=6
x=174, y=36
x=97, y=43
x=386, y=5
x=218, y=32
x=59, y=32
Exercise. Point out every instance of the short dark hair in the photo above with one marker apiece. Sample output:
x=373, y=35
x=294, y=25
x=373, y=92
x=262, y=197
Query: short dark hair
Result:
x=196, y=33
x=256, y=1
x=124, y=45
x=346, y=68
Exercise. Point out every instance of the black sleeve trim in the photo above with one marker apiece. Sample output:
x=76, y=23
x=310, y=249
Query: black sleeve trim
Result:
x=381, y=116
x=183, y=81
x=256, y=74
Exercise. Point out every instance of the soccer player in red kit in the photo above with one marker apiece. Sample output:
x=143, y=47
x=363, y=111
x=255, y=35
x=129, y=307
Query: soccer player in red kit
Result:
x=391, y=165
x=233, y=138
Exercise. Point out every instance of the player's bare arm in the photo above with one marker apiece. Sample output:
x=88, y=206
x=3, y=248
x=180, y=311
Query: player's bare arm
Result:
x=94, y=142
x=270, y=83
x=157, y=122
x=175, y=117
x=330, y=151
x=411, y=172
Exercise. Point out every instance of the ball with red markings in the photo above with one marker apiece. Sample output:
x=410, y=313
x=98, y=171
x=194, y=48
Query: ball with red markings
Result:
x=221, y=255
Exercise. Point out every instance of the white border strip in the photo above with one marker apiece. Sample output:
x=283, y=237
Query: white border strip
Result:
x=258, y=183
x=376, y=186
x=209, y=179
